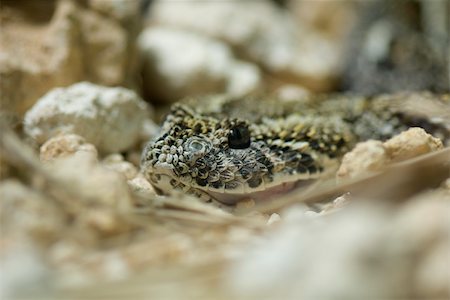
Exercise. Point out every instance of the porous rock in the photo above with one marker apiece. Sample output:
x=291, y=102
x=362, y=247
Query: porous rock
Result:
x=372, y=156
x=110, y=118
x=65, y=145
x=411, y=143
x=179, y=63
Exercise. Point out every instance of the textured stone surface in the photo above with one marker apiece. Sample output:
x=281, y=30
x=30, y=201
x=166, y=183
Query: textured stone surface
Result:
x=65, y=145
x=56, y=43
x=366, y=157
x=110, y=118
x=179, y=63
x=411, y=143
x=372, y=156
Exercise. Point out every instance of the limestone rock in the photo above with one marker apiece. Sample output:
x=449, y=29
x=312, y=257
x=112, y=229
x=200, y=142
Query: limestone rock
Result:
x=110, y=118
x=179, y=63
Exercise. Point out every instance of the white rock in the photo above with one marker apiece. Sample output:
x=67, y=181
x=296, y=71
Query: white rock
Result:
x=110, y=118
x=262, y=32
x=178, y=63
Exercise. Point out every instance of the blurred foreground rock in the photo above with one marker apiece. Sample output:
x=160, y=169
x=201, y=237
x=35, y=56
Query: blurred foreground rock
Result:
x=110, y=118
x=362, y=252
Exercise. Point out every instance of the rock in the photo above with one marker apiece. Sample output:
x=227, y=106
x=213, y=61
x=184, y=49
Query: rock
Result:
x=364, y=251
x=57, y=43
x=110, y=118
x=388, y=52
x=372, y=156
x=117, y=163
x=411, y=143
x=261, y=32
x=369, y=156
x=26, y=274
x=65, y=145
x=179, y=63
x=94, y=182
x=22, y=210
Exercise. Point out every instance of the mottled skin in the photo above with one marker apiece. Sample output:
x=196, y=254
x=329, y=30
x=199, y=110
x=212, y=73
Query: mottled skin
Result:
x=225, y=148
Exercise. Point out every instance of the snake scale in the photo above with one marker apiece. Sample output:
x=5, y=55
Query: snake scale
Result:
x=226, y=148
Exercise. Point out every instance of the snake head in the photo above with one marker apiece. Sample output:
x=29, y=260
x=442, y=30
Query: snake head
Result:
x=224, y=158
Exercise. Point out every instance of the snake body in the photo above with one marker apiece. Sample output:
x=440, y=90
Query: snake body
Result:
x=224, y=148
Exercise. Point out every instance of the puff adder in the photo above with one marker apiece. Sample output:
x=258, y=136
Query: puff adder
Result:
x=224, y=148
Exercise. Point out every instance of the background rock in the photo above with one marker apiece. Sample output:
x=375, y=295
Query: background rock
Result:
x=180, y=63
x=270, y=37
x=45, y=44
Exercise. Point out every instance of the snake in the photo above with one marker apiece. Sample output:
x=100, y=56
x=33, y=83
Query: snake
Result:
x=224, y=148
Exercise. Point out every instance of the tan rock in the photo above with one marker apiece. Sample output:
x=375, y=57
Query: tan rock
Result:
x=28, y=215
x=94, y=182
x=65, y=145
x=372, y=156
x=366, y=157
x=411, y=143
x=117, y=163
x=56, y=43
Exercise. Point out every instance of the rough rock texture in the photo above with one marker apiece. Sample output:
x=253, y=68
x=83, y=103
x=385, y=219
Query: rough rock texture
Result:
x=65, y=145
x=372, y=156
x=411, y=143
x=179, y=63
x=260, y=32
x=45, y=44
x=110, y=118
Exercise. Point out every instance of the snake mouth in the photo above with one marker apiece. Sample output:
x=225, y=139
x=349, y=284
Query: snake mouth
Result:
x=268, y=194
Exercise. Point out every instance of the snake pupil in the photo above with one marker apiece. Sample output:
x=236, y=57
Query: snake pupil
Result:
x=239, y=137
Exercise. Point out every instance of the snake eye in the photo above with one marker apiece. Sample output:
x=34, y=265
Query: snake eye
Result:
x=239, y=137
x=196, y=146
